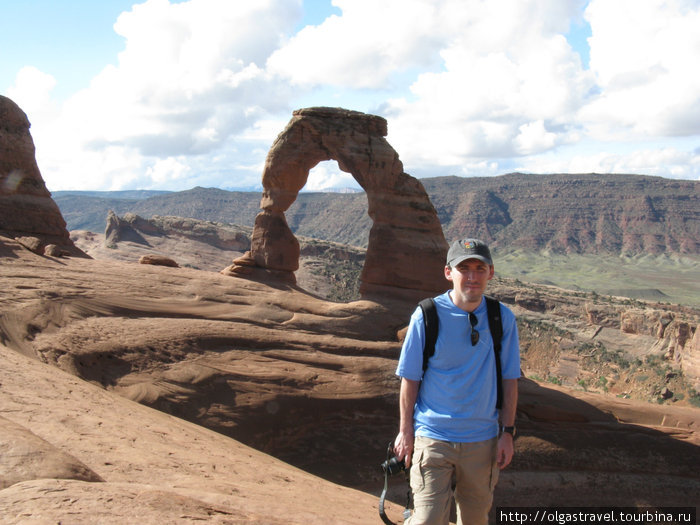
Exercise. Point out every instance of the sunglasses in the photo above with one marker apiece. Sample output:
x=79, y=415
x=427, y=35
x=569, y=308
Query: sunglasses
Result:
x=474, y=335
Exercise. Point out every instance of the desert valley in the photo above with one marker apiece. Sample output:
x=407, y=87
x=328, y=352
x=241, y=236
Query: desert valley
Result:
x=160, y=366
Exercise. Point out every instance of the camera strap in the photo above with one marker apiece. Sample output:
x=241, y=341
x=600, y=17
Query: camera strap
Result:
x=407, y=510
x=382, y=512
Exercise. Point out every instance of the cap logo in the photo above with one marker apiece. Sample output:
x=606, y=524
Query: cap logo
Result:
x=469, y=245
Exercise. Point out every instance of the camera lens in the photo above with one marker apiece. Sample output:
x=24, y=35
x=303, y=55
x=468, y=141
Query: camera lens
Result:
x=393, y=466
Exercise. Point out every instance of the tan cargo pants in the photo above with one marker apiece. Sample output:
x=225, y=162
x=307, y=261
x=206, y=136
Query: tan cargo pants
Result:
x=438, y=466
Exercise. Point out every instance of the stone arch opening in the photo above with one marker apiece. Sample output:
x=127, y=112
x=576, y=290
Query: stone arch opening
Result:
x=406, y=247
x=330, y=220
x=323, y=201
x=327, y=176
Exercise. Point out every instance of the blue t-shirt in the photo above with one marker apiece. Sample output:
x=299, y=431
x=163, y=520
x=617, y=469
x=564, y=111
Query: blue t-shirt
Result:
x=457, y=397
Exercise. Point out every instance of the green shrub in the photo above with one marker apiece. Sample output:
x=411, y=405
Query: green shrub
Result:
x=694, y=399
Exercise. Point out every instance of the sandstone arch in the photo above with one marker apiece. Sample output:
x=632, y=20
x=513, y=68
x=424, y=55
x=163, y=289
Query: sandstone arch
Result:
x=406, y=248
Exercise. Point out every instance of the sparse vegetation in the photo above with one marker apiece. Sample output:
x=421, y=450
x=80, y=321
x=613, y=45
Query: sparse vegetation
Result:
x=590, y=356
x=339, y=265
x=694, y=399
x=603, y=383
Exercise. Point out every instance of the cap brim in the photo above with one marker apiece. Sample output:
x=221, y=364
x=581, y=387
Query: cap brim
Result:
x=463, y=258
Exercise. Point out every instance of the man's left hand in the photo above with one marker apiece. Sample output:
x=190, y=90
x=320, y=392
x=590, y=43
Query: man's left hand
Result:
x=504, y=453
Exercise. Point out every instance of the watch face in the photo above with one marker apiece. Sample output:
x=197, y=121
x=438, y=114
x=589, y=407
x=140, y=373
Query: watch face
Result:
x=509, y=430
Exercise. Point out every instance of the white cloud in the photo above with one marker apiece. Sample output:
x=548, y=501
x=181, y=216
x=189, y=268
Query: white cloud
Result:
x=644, y=56
x=509, y=86
x=190, y=75
x=166, y=170
x=363, y=47
x=189, y=78
x=533, y=137
x=203, y=87
x=328, y=176
x=265, y=130
x=500, y=80
x=32, y=90
x=667, y=162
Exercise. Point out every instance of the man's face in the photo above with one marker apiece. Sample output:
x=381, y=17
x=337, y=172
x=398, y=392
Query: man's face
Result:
x=470, y=278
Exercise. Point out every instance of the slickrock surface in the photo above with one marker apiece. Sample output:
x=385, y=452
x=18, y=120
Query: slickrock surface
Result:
x=305, y=380
x=405, y=233
x=156, y=468
x=205, y=336
x=26, y=207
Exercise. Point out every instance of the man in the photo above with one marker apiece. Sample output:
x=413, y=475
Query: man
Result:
x=450, y=428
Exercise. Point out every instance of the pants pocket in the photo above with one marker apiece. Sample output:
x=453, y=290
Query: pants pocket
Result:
x=495, y=471
x=417, y=477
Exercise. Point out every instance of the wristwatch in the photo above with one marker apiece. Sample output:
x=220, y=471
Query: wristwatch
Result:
x=508, y=430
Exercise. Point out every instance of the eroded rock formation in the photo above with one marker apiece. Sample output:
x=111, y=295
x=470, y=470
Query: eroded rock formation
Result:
x=26, y=456
x=406, y=248
x=158, y=260
x=26, y=206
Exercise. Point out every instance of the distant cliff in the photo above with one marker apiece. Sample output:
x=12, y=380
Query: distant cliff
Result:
x=611, y=214
x=587, y=214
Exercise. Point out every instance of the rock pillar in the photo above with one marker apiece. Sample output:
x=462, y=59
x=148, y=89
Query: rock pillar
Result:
x=26, y=207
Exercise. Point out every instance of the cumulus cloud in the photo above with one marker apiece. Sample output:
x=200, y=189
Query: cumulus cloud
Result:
x=509, y=86
x=32, y=90
x=644, y=56
x=191, y=77
x=501, y=82
x=328, y=176
x=202, y=88
x=664, y=161
x=363, y=48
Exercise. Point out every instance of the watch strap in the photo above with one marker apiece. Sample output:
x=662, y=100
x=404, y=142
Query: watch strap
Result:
x=508, y=430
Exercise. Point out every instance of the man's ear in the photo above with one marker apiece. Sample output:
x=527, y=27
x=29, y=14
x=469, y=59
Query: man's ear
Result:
x=492, y=272
x=448, y=273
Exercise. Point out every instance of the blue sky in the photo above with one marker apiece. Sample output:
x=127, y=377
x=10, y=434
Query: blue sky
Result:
x=169, y=95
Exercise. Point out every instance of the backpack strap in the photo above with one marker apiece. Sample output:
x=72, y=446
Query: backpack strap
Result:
x=430, y=324
x=493, y=309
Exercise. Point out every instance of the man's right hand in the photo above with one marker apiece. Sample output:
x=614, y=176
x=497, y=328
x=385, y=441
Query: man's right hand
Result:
x=403, y=444
x=403, y=447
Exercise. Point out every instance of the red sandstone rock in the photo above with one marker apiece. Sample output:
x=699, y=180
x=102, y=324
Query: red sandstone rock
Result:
x=33, y=244
x=26, y=204
x=690, y=359
x=51, y=250
x=158, y=260
x=26, y=456
x=406, y=249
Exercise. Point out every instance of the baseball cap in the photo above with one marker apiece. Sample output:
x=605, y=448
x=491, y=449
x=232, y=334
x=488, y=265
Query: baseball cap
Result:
x=464, y=249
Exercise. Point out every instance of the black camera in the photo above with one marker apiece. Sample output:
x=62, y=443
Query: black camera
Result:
x=392, y=465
